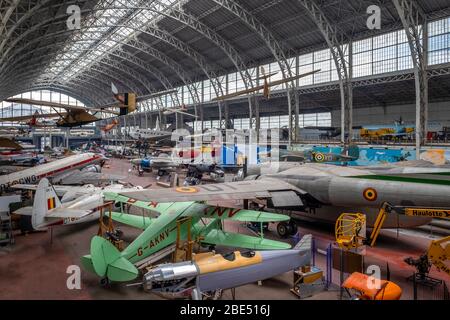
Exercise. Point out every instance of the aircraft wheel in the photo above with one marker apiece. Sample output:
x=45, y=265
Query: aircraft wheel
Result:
x=218, y=294
x=104, y=282
x=283, y=229
x=212, y=295
x=160, y=173
x=119, y=233
x=293, y=226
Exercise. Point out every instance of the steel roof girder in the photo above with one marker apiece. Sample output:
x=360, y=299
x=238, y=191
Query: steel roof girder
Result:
x=335, y=41
x=274, y=46
x=179, y=14
x=412, y=17
x=84, y=88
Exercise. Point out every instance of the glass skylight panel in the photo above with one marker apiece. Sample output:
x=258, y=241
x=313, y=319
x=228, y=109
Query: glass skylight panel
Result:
x=80, y=52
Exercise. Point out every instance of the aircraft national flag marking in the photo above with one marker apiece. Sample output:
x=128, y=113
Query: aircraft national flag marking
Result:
x=187, y=189
x=370, y=194
x=51, y=203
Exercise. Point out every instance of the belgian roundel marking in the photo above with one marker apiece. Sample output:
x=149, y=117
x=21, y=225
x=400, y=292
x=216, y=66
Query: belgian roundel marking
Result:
x=319, y=157
x=187, y=189
x=370, y=194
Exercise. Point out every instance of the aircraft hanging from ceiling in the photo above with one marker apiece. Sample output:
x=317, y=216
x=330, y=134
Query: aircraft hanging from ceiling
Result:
x=110, y=126
x=6, y=143
x=128, y=101
x=180, y=110
x=266, y=85
x=76, y=116
x=33, y=121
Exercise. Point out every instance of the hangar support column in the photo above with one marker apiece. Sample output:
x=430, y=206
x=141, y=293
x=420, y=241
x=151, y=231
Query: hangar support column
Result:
x=416, y=27
x=146, y=115
x=343, y=62
x=278, y=51
x=202, y=118
x=224, y=109
x=255, y=122
x=162, y=120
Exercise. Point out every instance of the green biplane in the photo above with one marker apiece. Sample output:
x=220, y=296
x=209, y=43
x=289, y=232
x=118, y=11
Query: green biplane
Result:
x=206, y=225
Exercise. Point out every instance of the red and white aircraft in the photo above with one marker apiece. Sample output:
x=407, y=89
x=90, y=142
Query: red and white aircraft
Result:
x=77, y=169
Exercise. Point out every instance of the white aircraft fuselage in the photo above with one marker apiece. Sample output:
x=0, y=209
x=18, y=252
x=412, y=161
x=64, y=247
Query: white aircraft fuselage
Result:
x=149, y=134
x=52, y=169
x=92, y=202
x=88, y=198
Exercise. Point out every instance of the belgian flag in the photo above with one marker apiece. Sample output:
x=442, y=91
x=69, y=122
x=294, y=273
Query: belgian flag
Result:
x=51, y=203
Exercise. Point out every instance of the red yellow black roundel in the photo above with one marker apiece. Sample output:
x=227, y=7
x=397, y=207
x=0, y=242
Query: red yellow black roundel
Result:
x=370, y=194
x=187, y=189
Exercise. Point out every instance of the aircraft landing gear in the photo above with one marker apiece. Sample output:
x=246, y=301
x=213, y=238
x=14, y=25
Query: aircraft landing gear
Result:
x=256, y=226
x=286, y=229
x=294, y=227
x=104, y=282
x=211, y=295
x=161, y=173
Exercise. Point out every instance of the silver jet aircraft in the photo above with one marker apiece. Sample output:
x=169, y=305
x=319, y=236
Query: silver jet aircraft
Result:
x=323, y=192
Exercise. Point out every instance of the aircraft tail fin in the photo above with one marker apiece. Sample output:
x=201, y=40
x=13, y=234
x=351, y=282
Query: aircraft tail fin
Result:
x=305, y=243
x=45, y=201
x=129, y=102
x=106, y=261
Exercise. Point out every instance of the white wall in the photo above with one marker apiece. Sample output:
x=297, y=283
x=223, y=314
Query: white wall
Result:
x=439, y=115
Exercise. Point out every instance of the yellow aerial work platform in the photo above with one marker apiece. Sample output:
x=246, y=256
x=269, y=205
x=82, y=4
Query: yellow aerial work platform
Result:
x=348, y=228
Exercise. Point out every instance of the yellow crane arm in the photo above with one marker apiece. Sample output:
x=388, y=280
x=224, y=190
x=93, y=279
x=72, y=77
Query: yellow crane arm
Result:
x=347, y=229
x=386, y=208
